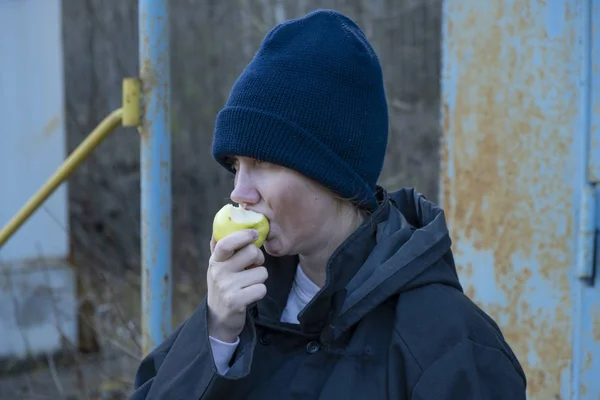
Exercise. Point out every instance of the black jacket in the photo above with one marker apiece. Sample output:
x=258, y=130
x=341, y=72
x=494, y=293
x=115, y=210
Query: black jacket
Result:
x=391, y=322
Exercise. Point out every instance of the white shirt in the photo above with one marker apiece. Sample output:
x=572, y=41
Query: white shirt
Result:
x=302, y=292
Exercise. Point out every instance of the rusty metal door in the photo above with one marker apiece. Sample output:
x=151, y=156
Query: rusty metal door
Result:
x=520, y=165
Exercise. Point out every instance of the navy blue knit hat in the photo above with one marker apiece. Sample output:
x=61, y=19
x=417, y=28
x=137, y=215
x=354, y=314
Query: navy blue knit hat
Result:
x=312, y=100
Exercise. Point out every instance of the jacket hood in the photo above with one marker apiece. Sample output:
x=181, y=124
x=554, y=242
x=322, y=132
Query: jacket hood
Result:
x=413, y=249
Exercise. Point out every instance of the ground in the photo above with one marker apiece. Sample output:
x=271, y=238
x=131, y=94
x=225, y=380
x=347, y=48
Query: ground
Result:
x=90, y=378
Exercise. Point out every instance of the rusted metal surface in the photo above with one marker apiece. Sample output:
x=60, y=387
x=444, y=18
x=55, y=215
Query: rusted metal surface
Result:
x=594, y=70
x=586, y=234
x=155, y=172
x=587, y=339
x=513, y=176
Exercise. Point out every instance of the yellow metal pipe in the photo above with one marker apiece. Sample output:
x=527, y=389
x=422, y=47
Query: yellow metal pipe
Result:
x=132, y=95
x=101, y=132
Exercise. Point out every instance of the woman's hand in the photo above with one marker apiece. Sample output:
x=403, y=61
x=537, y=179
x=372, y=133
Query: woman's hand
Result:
x=235, y=279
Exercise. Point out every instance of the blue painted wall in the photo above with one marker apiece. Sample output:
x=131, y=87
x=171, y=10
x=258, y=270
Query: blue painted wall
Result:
x=36, y=286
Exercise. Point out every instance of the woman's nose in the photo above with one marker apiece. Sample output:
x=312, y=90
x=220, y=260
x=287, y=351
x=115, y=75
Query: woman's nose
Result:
x=244, y=191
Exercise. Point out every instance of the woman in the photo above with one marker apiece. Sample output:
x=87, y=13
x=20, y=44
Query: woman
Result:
x=355, y=295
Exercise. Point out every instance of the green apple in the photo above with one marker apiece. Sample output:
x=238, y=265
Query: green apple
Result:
x=232, y=218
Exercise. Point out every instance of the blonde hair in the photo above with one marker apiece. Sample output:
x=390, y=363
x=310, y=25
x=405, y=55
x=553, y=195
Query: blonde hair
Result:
x=343, y=203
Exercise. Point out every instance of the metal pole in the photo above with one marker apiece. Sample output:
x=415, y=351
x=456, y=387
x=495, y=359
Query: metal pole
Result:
x=155, y=172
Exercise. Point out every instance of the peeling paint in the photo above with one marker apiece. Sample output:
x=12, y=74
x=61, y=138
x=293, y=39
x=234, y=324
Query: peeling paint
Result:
x=589, y=363
x=510, y=106
x=554, y=19
x=595, y=316
x=594, y=60
x=155, y=138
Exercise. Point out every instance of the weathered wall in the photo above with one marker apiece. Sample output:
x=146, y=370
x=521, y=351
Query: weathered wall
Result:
x=211, y=42
x=516, y=136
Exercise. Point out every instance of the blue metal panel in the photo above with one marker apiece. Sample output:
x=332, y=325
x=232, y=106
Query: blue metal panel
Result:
x=155, y=172
x=516, y=125
x=587, y=362
x=588, y=359
x=594, y=73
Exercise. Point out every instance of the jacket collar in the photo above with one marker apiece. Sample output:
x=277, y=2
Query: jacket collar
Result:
x=342, y=266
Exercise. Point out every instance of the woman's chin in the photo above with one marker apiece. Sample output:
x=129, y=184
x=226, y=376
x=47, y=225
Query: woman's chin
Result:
x=273, y=248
